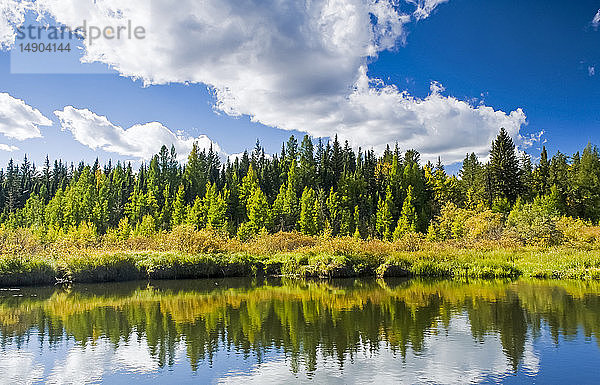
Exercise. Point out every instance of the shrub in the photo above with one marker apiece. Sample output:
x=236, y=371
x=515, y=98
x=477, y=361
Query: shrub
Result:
x=147, y=227
x=410, y=242
x=534, y=223
x=185, y=238
x=19, y=242
x=246, y=231
x=484, y=225
x=575, y=231
x=279, y=242
x=451, y=222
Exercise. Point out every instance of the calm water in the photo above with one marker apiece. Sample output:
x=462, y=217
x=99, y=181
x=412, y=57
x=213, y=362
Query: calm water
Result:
x=274, y=331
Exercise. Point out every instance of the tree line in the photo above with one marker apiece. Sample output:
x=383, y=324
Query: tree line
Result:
x=315, y=189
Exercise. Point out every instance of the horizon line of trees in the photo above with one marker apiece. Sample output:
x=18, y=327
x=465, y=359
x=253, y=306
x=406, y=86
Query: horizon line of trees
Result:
x=328, y=189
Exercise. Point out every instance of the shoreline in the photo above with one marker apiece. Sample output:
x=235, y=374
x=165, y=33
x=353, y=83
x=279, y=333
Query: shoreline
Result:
x=99, y=266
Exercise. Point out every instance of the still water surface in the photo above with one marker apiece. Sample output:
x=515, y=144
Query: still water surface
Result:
x=274, y=331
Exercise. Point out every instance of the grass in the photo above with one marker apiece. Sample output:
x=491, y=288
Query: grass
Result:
x=184, y=254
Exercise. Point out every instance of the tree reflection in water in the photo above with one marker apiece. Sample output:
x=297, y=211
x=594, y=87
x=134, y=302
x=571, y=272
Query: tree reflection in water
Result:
x=301, y=319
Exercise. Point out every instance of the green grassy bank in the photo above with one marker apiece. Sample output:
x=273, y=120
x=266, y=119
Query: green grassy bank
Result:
x=110, y=266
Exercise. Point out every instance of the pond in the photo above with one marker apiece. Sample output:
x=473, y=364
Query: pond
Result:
x=287, y=331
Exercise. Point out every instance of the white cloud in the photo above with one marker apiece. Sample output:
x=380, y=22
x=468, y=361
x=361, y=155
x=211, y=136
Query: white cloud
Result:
x=596, y=20
x=11, y=14
x=294, y=65
x=8, y=148
x=20, y=367
x=19, y=120
x=450, y=356
x=139, y=141
x=425, y=7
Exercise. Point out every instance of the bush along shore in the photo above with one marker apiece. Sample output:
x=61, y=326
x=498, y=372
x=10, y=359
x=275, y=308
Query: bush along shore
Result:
x=186, y=253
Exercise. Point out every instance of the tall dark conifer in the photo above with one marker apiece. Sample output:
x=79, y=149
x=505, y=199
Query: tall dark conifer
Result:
x=504, y=168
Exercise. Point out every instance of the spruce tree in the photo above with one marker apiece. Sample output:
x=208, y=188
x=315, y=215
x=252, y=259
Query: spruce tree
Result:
x=308, y=213
x=504, y=168
x=385, y=219
x=258, y=210
x=308, y=165
x=291, y=208
x=179, y=207
x=541, y=176
x=197, y=215
x=217, y=212
x=356, y=223
x=407, y=223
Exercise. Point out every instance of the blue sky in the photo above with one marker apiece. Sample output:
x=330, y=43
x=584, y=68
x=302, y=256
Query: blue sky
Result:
x=491, y=58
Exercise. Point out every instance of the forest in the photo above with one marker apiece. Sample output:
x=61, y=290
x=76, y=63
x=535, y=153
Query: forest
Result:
x=328, y=211
x=328, y=189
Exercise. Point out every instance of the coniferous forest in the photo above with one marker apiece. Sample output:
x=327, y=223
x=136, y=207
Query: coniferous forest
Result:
x=327, y=188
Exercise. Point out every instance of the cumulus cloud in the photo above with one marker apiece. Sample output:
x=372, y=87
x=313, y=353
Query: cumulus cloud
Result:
x=19, y=120
x=11, y=13
x=141, y=141
x=294, y=65
x=8, y=148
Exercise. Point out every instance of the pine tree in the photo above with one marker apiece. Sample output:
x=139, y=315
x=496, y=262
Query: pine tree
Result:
x=165, y=216
x=472, y=181
x=308, y=166
x=357, y=223
x=385, y=219
x=308, y=213
x=407, y=223
x=249, y=184
x=195, y=174
x=278, y=209
x=291, y=208
x=197, y=215
x=258, y=210
x=586, y=194
x=527, y=178
x=217, y=212
x=179, y=207
x=541, y=176
x=504, y=168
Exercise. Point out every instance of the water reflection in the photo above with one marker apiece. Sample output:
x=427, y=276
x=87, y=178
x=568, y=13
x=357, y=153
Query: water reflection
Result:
x=341, y=331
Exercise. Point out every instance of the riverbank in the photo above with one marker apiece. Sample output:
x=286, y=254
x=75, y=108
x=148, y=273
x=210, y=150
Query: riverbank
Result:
x=91, y=266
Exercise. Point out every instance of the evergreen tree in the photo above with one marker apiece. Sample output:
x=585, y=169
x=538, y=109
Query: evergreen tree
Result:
x=385, y=220
x=258, y=210
x=357, y=223
x=308, y=166
x=407, y=222
x=290, y=200
x=217, y=211
x=179, y=207
x=504, y=168
x=197, y=215
x=308, y=213
x=195, y=174
x=541, y=176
